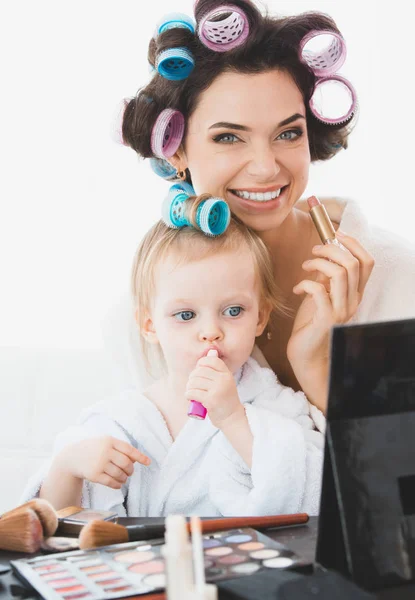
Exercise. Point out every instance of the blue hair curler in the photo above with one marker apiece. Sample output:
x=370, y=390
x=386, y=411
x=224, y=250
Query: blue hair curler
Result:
x=185, y=187
x=175, y=64
x=212, y=215
x=175, y=19
x=163, y=168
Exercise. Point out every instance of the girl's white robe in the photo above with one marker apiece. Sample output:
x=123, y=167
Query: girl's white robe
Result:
x=200, y=472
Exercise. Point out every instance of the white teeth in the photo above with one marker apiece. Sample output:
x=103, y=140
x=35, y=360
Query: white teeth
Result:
x=258, y=196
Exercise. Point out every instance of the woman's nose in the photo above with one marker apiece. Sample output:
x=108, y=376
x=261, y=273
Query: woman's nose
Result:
x=263, y=165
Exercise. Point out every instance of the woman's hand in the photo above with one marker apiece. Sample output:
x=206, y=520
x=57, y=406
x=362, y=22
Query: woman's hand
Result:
x=106, y=460
x=332, y=299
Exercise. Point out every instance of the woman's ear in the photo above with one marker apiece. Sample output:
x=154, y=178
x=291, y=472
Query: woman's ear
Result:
x=147, y=329
x=179, y=159
x=263, y=317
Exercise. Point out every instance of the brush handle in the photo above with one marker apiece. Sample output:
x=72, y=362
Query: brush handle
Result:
x=146, y=532
x=213, y=525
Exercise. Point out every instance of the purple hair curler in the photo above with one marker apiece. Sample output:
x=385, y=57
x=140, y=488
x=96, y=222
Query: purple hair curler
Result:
x=345, y=100
x=328, y=57
x=223, y=28
x=167, y=133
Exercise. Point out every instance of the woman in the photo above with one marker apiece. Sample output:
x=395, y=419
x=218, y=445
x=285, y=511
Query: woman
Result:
x=251, y=133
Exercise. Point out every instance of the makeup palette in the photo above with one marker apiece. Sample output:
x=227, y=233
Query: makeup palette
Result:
x=137, y=568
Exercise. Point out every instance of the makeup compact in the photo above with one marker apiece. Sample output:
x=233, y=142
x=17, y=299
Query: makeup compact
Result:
x=367, y=513
x=137, y=568
x=72, y=519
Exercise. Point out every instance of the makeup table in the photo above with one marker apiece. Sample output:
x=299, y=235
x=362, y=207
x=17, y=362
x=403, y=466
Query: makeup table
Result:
x=301, y=539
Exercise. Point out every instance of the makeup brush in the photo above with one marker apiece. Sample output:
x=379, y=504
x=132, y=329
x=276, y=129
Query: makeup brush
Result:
x=45, y=512
x=21, y=531
x=103, y=533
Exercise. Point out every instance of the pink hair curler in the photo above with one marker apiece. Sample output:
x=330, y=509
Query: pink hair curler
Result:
x=223, y=28
x=196, y=409
x=337, y=93
x=323, y=51
x=167, y=133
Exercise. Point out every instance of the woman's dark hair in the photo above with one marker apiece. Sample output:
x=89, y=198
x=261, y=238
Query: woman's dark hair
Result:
x=273, y=43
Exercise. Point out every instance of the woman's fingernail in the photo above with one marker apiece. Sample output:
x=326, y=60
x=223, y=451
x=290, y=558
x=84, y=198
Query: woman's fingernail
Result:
x=306, y=262
x=318, y=247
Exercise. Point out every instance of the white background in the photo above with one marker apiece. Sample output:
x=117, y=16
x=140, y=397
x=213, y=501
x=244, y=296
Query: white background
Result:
x=74, y=205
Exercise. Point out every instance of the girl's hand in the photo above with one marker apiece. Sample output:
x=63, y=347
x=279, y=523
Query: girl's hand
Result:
x=212, y=384
x=106, y=460
x=332, y=299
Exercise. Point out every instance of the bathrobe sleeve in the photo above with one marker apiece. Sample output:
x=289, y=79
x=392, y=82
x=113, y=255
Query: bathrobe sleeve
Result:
x=287, y=459
x=94, y=495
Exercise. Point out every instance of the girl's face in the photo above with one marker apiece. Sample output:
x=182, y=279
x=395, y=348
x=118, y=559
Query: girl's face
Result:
x=193, y=311
x=247, y=142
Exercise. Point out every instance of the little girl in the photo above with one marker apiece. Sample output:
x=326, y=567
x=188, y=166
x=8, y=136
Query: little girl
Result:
x=200, y=303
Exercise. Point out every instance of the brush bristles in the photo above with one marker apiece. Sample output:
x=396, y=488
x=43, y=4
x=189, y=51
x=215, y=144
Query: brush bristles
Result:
x=21, y=531
x=44, y=510
x=101, y=533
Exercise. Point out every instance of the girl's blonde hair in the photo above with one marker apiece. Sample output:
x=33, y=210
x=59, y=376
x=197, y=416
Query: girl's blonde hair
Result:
x=190, y=244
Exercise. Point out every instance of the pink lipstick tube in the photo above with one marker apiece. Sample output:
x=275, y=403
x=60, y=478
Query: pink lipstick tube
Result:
x=196, y=410
x=322, y=222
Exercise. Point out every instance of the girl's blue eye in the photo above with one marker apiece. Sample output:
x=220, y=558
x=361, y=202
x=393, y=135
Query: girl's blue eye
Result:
x=233, y=311
x=184, y=315
x=225, y=138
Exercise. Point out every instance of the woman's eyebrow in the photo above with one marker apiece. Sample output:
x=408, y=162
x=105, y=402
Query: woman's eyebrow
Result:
x=226, y=125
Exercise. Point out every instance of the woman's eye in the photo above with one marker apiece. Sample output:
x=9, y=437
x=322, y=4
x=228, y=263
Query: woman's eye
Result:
x=291, y=135
x=225, y=138
x=184, y=315
x=233, y=311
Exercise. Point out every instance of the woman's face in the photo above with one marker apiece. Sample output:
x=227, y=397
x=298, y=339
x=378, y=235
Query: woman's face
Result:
x=247, y=142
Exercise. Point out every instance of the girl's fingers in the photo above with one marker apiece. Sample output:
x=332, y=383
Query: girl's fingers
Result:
x=109, y=481
x=196, y=394
x=213, y=362
x=123, y=462
x=339, y=288
x=319, y=295
x=198, y=383
x=130, y=452
x=203, y=372
x=115, y=472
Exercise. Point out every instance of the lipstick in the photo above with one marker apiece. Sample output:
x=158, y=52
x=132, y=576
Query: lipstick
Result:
x=196, y=409
x=322, y=222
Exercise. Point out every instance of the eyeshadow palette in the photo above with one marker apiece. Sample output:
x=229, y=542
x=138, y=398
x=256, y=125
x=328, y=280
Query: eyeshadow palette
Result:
x=137, y=568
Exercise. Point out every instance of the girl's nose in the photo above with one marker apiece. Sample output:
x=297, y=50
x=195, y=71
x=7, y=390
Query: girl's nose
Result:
x=211, y=334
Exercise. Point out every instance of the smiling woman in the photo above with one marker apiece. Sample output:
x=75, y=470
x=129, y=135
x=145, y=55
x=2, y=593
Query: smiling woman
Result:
x=255, y=116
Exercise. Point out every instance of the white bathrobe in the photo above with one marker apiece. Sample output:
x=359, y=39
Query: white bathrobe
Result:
x=200, y=472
